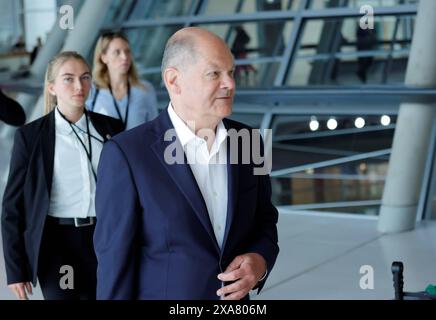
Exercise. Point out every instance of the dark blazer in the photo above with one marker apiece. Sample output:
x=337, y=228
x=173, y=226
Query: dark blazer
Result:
x=154, y=238
x=11, y=111
x=27, y=195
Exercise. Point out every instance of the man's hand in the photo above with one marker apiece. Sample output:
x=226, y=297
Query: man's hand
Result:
x=246, y=270
x=20, y=289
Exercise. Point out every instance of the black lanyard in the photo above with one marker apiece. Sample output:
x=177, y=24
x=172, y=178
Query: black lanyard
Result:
x=117, y=108
x=88, y=153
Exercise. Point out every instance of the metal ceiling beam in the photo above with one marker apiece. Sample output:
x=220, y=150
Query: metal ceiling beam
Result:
x=268, y=15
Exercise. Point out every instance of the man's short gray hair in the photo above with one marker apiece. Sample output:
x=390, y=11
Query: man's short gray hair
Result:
x=179, y=51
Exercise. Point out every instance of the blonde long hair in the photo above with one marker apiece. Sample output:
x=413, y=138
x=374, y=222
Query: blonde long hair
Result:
x=50, y=100
x=100, y=73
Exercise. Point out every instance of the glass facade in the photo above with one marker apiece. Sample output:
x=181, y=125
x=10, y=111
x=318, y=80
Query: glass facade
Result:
x=339, y=52
x=330, y=147
x=427, y=208
x=283, y=43
x=314, y=160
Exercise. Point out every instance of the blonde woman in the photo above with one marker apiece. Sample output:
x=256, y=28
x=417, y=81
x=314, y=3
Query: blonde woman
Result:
x=118, y=92
x=48, y=216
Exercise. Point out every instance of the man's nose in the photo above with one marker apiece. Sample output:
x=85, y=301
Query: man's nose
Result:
x=228, y=82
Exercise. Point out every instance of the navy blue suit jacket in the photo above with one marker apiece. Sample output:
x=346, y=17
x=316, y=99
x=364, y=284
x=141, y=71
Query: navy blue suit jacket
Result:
x=153, y=237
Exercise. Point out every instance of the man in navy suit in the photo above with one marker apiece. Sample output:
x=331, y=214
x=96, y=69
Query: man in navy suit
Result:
x=176, y=217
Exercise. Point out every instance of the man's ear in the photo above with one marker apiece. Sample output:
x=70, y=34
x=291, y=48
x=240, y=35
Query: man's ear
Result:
x=172, y=78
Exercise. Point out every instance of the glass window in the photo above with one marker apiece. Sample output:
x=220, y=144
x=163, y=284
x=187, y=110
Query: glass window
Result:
x=148, y=45
x=149, y=9
x=262, y=41
x=432, y=213
x=118, y=11
x=428, y=195
x=350, y=187
x=248, y=6
x=255, y=39
x=254, y=120
x=323, y=4
x=247, y=41
x=314, y=164
x=339, y=52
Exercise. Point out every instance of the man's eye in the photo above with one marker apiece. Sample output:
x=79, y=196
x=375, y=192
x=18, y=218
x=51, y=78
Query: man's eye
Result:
x=86, y=78
x=213, y=74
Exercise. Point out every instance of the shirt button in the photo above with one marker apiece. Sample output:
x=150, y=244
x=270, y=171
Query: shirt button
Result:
x=219, y=228
x=215, y=194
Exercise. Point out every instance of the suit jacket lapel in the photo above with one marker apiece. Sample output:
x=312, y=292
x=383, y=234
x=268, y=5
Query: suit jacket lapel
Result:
x=233, y=185
x=103, y=130
x=48, y=144
x=183, y=177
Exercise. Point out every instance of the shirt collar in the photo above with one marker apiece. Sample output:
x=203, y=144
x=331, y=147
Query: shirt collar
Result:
x=185, y=134
x=221, y=136
x=64, y=127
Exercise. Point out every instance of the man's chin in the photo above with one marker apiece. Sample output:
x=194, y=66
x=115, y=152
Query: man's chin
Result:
x=225, y=112
x=225, y=109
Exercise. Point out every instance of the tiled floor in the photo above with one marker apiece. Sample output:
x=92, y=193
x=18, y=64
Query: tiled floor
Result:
x=321, y=257
x=324, y=260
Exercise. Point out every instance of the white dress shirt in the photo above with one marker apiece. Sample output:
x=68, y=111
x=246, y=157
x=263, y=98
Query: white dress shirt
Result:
x=73, y=184
x=209, y=170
